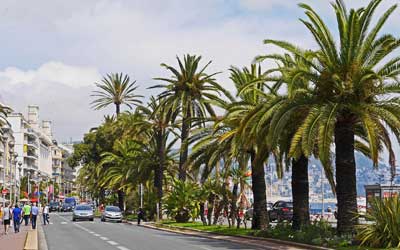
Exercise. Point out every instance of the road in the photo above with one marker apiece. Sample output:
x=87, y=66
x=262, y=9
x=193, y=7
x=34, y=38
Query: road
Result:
x=63, y=234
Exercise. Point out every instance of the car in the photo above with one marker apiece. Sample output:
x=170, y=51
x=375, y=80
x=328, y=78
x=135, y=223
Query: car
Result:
x=281, y=210
x=54, y=206
x=269, y=206
x=66, y=207
x=111, y=213
x=83, y=212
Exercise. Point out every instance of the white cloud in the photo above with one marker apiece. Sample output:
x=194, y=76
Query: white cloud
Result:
x=51, y=72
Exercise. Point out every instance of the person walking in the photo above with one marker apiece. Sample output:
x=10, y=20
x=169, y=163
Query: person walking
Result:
x=34, y=214
x=16, y=214
x=6, y=217
x=140, y=215
x=45, y=213
x=26, y=212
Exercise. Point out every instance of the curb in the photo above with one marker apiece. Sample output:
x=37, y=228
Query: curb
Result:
x=42, y=239
x=31, y=241
x=216, y=236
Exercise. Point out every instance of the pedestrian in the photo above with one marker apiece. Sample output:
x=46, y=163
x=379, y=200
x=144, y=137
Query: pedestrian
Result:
x=140, y=215
x=6, y=217
x=16, y=214
x=45, y=213
x=26, y=210
x=34, y=214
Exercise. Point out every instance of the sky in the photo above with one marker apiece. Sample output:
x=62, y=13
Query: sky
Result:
x=53, y=51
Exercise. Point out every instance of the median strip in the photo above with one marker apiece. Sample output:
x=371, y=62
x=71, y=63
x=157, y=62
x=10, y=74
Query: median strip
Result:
x=31, y=242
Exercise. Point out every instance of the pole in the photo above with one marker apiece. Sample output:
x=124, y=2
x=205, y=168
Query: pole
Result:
x=141, y=195
x=158, y=211
x=322, y=190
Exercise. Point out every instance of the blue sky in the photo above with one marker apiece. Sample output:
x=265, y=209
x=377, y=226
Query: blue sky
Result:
x=53, y=50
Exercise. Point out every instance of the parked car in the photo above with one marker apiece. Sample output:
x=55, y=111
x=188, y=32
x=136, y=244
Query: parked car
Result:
x=66, y=207
x=269, y=206
x=111, y=213
x=83, y=212
x=54, y=206
x=281, y=210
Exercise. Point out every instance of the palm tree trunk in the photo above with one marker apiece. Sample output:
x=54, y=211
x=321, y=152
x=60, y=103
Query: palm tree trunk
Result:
x=234, y=210
x=183, y=154
x=260, y=217
x=346, y=189
x=159, y=171
x=120, y=193
x=300, y=193
x=210, y=208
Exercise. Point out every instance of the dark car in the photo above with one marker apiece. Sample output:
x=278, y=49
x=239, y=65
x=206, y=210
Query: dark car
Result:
x=66, y=207
x=54, y=206
x=281, y=210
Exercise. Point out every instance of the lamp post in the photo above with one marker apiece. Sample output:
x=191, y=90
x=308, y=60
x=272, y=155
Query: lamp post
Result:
x=19, y=177
x=15, y=177
x=39, y=179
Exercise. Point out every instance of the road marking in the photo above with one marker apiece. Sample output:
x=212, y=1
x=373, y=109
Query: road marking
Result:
x=112, y=242
x=63, y=222
x=122, y=248
x=91, y=232
x=98, y=235
x=104, y=238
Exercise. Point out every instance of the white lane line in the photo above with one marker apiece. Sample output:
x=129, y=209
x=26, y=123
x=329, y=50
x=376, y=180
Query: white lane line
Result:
x=122, y=248
x=104, y=238
x=98, y=235
x=63, y=222
x=91, y=232
x=112, y=242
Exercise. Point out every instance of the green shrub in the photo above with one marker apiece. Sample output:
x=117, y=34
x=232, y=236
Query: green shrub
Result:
x=384, y=231
x=182, y=202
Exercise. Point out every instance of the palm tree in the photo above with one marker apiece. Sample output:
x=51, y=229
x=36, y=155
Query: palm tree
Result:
x=116, y=89
x=279, y=127
x=191, y=91
x=155, y=125
x=355, y=96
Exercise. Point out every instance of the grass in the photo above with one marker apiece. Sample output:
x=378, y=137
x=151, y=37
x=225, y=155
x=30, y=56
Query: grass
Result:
x=225, y=230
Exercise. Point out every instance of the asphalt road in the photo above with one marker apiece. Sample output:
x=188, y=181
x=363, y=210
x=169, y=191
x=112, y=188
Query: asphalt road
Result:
x=63, y=234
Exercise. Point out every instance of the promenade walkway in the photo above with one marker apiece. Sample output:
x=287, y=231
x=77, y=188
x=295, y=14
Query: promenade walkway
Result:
x=13, y=241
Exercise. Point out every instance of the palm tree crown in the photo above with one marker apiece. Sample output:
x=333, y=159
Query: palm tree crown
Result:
x=115, y=89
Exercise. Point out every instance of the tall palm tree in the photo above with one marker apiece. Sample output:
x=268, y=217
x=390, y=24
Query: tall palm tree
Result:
x=156, y=126
x=191, y=91
x=116, y=89
x=356, y=95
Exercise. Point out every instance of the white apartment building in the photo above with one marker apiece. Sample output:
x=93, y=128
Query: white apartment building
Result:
x=33, y=142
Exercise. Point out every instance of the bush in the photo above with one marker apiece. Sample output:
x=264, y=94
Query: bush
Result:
x=384, y=231
x=318, y=233
x=182, y=202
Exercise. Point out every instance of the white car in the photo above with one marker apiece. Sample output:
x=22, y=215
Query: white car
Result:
x=111, y=213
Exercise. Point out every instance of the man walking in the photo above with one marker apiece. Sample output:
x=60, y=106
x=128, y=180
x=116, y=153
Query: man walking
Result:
x=16, y=214
x=34, y=214
x=6, y=217
x=46, y=214
x=27, y=212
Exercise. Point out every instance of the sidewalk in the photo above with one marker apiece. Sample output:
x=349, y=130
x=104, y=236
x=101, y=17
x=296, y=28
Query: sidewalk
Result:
x=14, y=241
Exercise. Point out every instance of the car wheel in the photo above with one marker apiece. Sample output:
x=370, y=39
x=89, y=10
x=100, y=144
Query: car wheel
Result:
x=91, y=219
x=73, y=219
x=103, y=220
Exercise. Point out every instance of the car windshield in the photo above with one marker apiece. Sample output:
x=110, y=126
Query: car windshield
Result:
x=83, y=208
x=53, y=203
x=289, y=204
x=113, y=209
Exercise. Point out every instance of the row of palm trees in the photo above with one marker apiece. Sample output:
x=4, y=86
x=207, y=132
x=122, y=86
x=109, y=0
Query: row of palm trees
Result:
x=325, y=103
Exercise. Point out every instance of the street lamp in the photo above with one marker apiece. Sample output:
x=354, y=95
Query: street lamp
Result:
x=19, y=177
x=39, y=179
